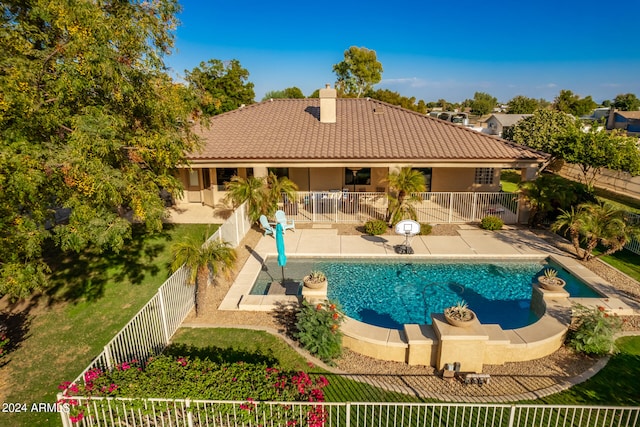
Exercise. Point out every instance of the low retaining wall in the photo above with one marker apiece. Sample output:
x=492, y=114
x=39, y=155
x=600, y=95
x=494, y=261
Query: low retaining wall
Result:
x=474, y=346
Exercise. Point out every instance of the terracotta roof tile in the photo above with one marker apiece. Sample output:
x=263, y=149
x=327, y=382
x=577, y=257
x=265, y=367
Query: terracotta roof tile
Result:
x=290, y=129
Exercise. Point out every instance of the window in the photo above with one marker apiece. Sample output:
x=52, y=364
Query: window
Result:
x=484, y=176
x=224, y=175
x=426, y=172
x=362, y=176
x=280, y=172
x=249, y=172
x=193, y=178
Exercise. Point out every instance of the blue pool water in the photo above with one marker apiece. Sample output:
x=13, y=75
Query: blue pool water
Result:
x=390, y=293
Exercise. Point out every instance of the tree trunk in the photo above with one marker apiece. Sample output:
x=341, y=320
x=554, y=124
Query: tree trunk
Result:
x=202, y=282
x=575, y=240
x=591, y=244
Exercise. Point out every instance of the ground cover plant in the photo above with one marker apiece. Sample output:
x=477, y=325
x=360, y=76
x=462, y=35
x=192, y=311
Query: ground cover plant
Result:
x=93, y=296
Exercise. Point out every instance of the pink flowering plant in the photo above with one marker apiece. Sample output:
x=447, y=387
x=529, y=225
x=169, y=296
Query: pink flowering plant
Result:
x=195, y=378
x=319, y=329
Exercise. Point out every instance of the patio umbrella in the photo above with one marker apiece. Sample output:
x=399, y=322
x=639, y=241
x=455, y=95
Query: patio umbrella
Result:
x=282, y=257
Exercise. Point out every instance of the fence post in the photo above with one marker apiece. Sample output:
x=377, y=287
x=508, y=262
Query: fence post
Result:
x=512, y=415
x=64, y=415
x=108, y=356
x=163, y=314
x=474, y=212
x=348, y=415
x=189, y=413
x=450, y=207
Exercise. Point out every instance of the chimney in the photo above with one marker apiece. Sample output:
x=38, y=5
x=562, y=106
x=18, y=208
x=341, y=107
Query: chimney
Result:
x=328, y=104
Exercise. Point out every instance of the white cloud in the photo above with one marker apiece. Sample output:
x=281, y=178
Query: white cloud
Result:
x=548, y=86
x=410, y=81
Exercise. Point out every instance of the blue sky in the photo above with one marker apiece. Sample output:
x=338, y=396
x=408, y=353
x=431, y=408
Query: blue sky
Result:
x=429, y=49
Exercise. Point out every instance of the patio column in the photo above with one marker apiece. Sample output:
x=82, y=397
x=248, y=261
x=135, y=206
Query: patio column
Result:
x=260, y=172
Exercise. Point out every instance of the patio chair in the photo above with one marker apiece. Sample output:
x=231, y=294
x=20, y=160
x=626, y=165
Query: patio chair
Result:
x=268, y=229
x=281, y=217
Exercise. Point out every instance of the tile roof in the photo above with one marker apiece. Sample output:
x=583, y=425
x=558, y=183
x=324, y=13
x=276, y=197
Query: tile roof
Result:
x=290, y=130
x=509, y=119
x=629, y=114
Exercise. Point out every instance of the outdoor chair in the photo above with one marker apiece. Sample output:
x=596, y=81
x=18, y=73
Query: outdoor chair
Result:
x=281, y=217
x=268, y=229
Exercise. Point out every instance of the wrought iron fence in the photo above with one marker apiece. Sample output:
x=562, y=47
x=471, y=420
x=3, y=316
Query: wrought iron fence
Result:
x=634, y=244
x=434, y=208
x=201, y=413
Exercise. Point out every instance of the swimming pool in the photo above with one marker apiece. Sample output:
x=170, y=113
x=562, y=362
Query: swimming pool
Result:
x=391, y=293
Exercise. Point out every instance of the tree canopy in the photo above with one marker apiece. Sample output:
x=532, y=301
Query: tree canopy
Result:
x=220, y=86
x=627, y=102
x=541, y=131
x=288, y=93
x=569, y=103
x=386, y=95
x=89, y=122
x=358, y=72
x=483, y=103
x=596, y=149
x=522, y=105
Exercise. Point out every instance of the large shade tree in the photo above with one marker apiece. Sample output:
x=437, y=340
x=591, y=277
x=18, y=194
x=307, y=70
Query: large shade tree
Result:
x=596, y=149
x=89, y=121
x=570, y=103
x=358, y=72
x=522, y=105
x=627, y=102
x=483, y=103
x=542, y=130
x=221, y=86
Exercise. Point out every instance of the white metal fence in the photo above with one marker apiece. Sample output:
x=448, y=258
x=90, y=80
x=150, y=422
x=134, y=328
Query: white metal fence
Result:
x=199, y=413
x=433, y=208
x=634, y=244
x=150, y=330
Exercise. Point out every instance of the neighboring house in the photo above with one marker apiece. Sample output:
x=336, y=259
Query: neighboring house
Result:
x=497, y=123
x=626, y=120
x=333, y=144
x=598, y=114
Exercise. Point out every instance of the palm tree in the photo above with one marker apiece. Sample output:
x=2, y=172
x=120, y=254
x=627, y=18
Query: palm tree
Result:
x=404, y=183
x=597, y=223
x=202, y=259
x=250, y=190
x=571, y=222
x=277, y=189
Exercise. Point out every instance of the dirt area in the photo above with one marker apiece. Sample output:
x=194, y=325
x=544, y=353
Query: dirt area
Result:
x=558, y=366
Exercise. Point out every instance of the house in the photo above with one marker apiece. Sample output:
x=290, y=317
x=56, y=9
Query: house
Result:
x=497, y=123
x=327, y=144
x=626, y=120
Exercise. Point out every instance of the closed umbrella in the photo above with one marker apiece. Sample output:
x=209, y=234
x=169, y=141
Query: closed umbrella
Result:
x=282, y=257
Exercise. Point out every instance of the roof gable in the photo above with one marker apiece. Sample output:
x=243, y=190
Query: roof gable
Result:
x=365, y=129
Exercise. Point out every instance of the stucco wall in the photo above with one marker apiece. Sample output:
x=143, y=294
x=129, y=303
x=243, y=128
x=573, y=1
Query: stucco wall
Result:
x=620, y=182
x=461, y=179
x=327, y=179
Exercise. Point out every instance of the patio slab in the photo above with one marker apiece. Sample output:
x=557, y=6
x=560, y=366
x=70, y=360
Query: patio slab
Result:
x=446, y=245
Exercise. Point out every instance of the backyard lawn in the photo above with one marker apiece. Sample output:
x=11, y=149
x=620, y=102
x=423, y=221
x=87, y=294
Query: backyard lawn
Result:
x=93, y=296
x=615, y=384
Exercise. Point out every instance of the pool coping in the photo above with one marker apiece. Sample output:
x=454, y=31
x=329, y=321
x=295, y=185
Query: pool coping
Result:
x=546, y=333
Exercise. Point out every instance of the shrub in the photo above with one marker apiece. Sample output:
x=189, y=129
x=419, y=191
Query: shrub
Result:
x=491, y=223
x=593, y=330
x=4, y=342
x=375, y=227
x=195, y=378
x=319, y=330
x=425, y=229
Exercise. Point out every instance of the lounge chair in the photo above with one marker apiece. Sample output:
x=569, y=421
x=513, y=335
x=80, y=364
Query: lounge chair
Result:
x=281, y=217
x=268, y=229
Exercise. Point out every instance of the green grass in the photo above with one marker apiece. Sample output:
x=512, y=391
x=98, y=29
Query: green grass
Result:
x=615, y=384
x=93, y=296
x=625, y=261
x=509, y=179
